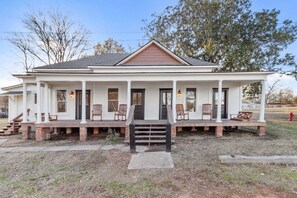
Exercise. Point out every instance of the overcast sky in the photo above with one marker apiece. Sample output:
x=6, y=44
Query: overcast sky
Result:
x=119, y=19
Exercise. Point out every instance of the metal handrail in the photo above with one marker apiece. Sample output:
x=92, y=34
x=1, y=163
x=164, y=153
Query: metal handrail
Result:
x=130, y=123
x=169, y=124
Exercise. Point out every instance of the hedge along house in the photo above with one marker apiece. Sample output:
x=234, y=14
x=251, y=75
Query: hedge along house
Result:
x=151, y=80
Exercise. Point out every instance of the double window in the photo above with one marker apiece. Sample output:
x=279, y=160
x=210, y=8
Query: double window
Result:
x=191, y=99
x=113, y=100
x=61, y=101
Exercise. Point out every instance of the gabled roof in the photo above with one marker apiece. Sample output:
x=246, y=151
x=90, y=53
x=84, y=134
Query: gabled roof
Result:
x=119, y=59
x=163, y=49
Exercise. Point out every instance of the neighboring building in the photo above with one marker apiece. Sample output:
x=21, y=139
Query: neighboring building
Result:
x=3, y=106
x=150, y=78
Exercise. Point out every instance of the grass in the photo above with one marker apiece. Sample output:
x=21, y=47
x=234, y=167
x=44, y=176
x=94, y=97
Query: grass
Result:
x=197, y=169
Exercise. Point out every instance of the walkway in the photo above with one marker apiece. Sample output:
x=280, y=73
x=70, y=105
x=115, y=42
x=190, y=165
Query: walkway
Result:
x=121, y=147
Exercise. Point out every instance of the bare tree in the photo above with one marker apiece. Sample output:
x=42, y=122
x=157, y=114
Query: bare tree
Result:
x=109, y=46
x=23, y=44
x=52, y=37
x=272, y=88
x=282, y=96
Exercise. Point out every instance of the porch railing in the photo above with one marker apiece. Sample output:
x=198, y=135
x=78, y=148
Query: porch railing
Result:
x=17, y=119
x=169, y=124
x=130, y=123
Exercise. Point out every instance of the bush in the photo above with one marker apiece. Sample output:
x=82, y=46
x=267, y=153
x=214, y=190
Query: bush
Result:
x=113, y=136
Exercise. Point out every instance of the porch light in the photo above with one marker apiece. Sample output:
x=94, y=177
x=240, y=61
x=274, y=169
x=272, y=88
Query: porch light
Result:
x=71, y=94
x=179, y=93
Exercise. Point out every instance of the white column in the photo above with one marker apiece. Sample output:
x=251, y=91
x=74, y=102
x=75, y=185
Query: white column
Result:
x=50, y=99
x=174, y=100
x=46, y=111
x=262, y=110
x=38, y=102
x=128, y=95
x=219, y=107
x=83, y=105
x=240, y=98
x=25, y=115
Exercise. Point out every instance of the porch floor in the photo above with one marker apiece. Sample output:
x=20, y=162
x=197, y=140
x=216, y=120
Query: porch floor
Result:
x=120, y=123
x=213, y=123
x=76, y=123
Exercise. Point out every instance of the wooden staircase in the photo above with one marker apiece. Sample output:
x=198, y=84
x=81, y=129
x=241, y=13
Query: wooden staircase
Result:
x=13, y=126
x=150, y=134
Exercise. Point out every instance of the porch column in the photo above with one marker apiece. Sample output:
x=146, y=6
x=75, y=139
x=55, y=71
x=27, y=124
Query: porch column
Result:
x=240, y=98
x=128, y=95
x=38, y=118
x=262, y=110
x=219, y=107
x=174, y=100
x=46, y=112
x=25, y=115
x=83, y=105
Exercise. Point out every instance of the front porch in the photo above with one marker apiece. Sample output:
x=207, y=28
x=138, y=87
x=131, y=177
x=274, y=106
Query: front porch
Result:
x=42, y=129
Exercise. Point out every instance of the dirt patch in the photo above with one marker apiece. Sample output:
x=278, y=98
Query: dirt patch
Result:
x=197, y=172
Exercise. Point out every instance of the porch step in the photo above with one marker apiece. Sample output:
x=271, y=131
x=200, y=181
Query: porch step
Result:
x=152, y=133
x=150, y=136
x=149, y=141
x=148, y=132
x=152, y=127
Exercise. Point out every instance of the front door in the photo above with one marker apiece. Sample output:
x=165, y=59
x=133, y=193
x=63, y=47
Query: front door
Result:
x=165, y=99
x=79, y=104
x=224, y=111
x=137, y=99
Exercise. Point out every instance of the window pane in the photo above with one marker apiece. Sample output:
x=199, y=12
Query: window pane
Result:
x=139, y=98
x=113, y=95
x=191, y=99
x=112, y=106
x=61, y=101
x=61, y=106
x=169, y=95
x=191, y=104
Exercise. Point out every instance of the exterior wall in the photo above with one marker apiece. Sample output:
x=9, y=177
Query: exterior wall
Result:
x=15, y=103
x=204, y=94
x=153, y=55
x=99, y=91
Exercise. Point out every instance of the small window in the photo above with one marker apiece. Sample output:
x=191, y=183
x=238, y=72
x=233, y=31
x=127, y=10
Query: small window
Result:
x=191, y=99
x=35, y=98
x=113, y=100
x=61, y=101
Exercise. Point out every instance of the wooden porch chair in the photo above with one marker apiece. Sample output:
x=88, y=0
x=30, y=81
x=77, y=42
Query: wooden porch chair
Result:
x=242, y=116
x=97, y=111
x=206, y=110
x=50, y=117
x=121, y=112
x=180, y=112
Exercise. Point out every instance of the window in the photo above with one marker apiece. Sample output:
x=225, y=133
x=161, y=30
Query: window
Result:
x=35, y=98
x=61, y=101
x=113, y=100
x=191, y=99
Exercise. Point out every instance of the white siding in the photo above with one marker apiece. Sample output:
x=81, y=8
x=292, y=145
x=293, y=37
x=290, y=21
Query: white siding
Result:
x=99, y=90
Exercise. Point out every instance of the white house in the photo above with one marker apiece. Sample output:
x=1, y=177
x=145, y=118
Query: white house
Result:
x=151, y=78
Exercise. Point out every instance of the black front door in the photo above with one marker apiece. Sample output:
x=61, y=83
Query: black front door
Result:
x=224, y=111
x=165, y=99
x=79, y=104
x=137, y=99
